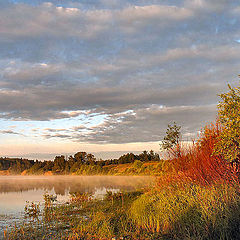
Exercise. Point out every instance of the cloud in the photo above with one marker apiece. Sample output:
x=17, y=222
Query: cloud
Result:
x=141, y=125
x=161, y=62
x=210, y=5
x=43, y=103
x=11, y=132
x=48, y=20
x=134, y=18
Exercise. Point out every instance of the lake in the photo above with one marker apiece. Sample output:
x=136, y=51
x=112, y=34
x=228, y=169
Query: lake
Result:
x=16, y=190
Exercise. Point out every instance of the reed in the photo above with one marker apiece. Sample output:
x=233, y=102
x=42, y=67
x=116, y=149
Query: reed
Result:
x=190, y=212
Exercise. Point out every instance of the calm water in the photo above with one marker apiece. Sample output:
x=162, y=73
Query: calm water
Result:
x=16, y=190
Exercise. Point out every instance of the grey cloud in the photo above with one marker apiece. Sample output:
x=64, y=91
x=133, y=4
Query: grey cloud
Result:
x=211, y=5
x=57, y=135
x=48, y=20
x=44, y=103
x=107, y=57
x=53, y=130
x=143, y=125
x=99, y=34
x=11, y=132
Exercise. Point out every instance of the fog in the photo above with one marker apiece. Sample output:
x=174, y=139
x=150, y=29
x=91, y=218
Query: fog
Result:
x=61, y=184
x=15, y=191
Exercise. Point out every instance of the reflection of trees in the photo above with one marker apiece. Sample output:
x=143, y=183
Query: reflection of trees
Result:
x=61, y=184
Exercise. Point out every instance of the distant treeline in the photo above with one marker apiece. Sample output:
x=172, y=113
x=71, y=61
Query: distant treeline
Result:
x=15, y=165
x=78, y=163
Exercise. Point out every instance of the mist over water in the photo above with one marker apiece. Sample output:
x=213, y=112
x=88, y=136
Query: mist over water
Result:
x=61, y=184
x=16, y=190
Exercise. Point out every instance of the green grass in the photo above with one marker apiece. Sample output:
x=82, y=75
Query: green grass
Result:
x=189, y=212
x=82, y=218
x=192, y=212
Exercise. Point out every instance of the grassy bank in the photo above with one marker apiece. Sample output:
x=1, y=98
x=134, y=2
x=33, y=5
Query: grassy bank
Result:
x=189, y=212
x=136, y=168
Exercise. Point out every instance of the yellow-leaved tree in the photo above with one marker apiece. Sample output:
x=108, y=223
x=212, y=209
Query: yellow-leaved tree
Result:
x=228, y=144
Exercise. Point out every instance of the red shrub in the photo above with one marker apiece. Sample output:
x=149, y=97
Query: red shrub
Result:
x=197, y=163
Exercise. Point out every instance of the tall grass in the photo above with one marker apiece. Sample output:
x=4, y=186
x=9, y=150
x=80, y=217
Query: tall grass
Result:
x=197, y=199
x=192, y=212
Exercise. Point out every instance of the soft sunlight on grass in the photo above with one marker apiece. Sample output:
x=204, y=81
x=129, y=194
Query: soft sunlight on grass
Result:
x=192, y=212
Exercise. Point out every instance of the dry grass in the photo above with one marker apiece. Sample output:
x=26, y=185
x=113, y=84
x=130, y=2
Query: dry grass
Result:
x=192, y=212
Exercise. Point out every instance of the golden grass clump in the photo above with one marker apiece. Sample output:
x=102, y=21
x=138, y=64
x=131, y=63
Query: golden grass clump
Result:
x=192, y=212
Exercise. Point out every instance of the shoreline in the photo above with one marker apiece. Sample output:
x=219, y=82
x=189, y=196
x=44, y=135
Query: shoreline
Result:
x=81, y=175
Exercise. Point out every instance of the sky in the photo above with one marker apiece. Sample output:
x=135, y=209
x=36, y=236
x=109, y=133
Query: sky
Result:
x=110, y=75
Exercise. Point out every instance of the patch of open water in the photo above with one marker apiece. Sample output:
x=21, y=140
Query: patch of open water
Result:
x=15, y=191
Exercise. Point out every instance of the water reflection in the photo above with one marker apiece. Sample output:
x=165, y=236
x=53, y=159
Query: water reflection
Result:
x=71, y=183
x=16, y=190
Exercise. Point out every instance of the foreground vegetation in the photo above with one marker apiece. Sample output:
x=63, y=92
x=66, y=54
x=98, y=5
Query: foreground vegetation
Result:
x=196, y=197
x=189, y=212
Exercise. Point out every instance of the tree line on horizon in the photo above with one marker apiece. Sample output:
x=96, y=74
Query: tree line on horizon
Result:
x=64, y=165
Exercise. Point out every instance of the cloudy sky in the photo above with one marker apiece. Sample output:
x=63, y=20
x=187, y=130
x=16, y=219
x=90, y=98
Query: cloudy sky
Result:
x=109, y=75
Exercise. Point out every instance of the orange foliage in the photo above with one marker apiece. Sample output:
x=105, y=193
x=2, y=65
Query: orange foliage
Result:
x=198, y=164
x=48, y=173
x=4, y=172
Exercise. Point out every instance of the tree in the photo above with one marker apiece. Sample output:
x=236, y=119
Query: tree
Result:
x=91, y=159
x=144, y=156
x=80, y=157
x=228, y=144
x=172, y=139
x=59, y=164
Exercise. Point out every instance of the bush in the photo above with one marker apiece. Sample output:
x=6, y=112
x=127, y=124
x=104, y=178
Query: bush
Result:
x=191, y=212
x=137, y=164
x=198, y=164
